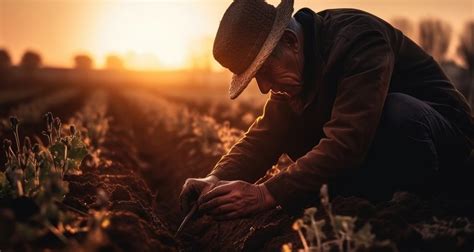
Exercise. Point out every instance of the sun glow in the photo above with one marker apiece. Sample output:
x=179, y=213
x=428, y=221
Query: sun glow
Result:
x=149, y=35
x=163, y=34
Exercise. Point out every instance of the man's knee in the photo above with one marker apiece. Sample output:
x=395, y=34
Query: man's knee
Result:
x=405, y=130
x=404, y=114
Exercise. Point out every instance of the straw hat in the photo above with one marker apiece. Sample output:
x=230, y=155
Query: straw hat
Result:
x=247, y=34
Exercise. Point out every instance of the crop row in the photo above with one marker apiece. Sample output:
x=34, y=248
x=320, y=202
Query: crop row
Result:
x=189, y=127
x=31, y=112
x=34, y=175
x=93, y=122
x=12, y=95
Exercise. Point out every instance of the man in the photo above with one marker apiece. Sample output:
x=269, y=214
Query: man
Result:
x=354, y=103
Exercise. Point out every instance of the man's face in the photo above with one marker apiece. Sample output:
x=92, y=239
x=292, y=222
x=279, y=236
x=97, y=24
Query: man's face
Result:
x=282, y=72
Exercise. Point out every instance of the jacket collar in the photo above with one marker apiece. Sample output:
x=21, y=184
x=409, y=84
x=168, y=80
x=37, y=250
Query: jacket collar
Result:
x=314, y=64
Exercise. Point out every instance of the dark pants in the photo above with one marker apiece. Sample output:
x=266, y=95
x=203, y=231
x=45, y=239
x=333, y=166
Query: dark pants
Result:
x=415, y=149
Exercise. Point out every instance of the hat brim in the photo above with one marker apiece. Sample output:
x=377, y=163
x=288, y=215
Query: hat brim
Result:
x=283, y=15
x=282, y=18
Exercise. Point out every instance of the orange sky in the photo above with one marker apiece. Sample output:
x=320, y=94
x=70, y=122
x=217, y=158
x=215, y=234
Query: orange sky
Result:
x=161, y=34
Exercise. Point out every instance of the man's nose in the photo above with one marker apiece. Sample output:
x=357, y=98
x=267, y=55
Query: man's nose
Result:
x=264, y=86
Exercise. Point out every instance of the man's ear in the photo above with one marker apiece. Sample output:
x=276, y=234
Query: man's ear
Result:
x=290, y=39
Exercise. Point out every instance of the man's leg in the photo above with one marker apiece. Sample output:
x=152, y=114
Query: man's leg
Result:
x=413, y=146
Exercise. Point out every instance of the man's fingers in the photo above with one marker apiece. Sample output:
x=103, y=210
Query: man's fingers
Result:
x=223, y=209
x=215, y=192
x=208, y=188
x=184, y=199
x=190, y=193
x=213, y=203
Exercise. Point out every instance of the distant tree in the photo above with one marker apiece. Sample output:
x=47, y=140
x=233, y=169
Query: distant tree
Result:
x=113, y=62
x=5, y=64
x=466, y=46
x=83, y=62
x=404, y=25
x=5, y=60
x=30, y=61
x=434, y=37
x=466, y=51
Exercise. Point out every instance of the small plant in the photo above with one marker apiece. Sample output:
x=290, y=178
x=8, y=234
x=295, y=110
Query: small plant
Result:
x=31, y=168
x=66, y=151
x=98, y=219
x=35, y=173
x=207, y=136
x=214, y=139
x=93, y=122
x=343, y=236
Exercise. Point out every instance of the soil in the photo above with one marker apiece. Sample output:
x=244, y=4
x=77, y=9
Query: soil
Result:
x=147, y=172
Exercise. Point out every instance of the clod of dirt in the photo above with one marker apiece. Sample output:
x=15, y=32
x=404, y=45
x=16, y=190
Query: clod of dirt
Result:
x=247, y=234
x=7, y=226
x=120, y=194
x=130, y=233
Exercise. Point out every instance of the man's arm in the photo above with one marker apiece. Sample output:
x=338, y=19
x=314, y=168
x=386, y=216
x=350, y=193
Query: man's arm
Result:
x=355, y=116
x=257, y=151
x=261, y=146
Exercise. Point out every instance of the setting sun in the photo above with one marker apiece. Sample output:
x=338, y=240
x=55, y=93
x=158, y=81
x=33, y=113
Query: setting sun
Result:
x=160, y=34
x=148, y=35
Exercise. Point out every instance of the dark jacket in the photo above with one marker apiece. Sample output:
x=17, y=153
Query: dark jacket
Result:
x=352, y=60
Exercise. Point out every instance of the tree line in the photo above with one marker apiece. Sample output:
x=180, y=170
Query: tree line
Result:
x=32, y=60
x=435, y=36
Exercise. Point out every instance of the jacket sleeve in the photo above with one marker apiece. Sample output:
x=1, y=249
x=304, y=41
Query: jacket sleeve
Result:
x=360, y=97
x=260, y=147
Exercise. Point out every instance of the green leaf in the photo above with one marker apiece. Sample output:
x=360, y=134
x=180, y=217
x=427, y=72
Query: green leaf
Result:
x=57, y=152
x=30, y=168
x=310, y=211
x=78, y=150
x=344, y=224
x=45, y=165
x=319, y=225
x=5, y=188
x=364, y=237
x=3, y=179
x=30, y=177
x=73, y=167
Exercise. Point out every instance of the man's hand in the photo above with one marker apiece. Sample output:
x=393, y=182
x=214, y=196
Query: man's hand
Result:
x=193, y=188
x=235, y=199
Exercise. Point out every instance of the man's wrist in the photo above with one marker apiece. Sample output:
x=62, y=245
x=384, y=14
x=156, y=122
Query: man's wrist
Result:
x=212, y=179
x=268, y=200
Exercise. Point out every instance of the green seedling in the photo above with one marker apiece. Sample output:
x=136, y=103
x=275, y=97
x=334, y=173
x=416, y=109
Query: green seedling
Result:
x=37, y=172
x=344, y=236
x=93, y=123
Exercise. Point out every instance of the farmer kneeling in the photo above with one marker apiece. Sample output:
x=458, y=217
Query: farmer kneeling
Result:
x=354, y=102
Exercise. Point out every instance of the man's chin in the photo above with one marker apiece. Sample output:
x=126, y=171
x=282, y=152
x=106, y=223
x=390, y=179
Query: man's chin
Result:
x=284, y=94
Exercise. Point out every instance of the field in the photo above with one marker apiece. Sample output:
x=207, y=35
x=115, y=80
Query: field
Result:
x=143, y=142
